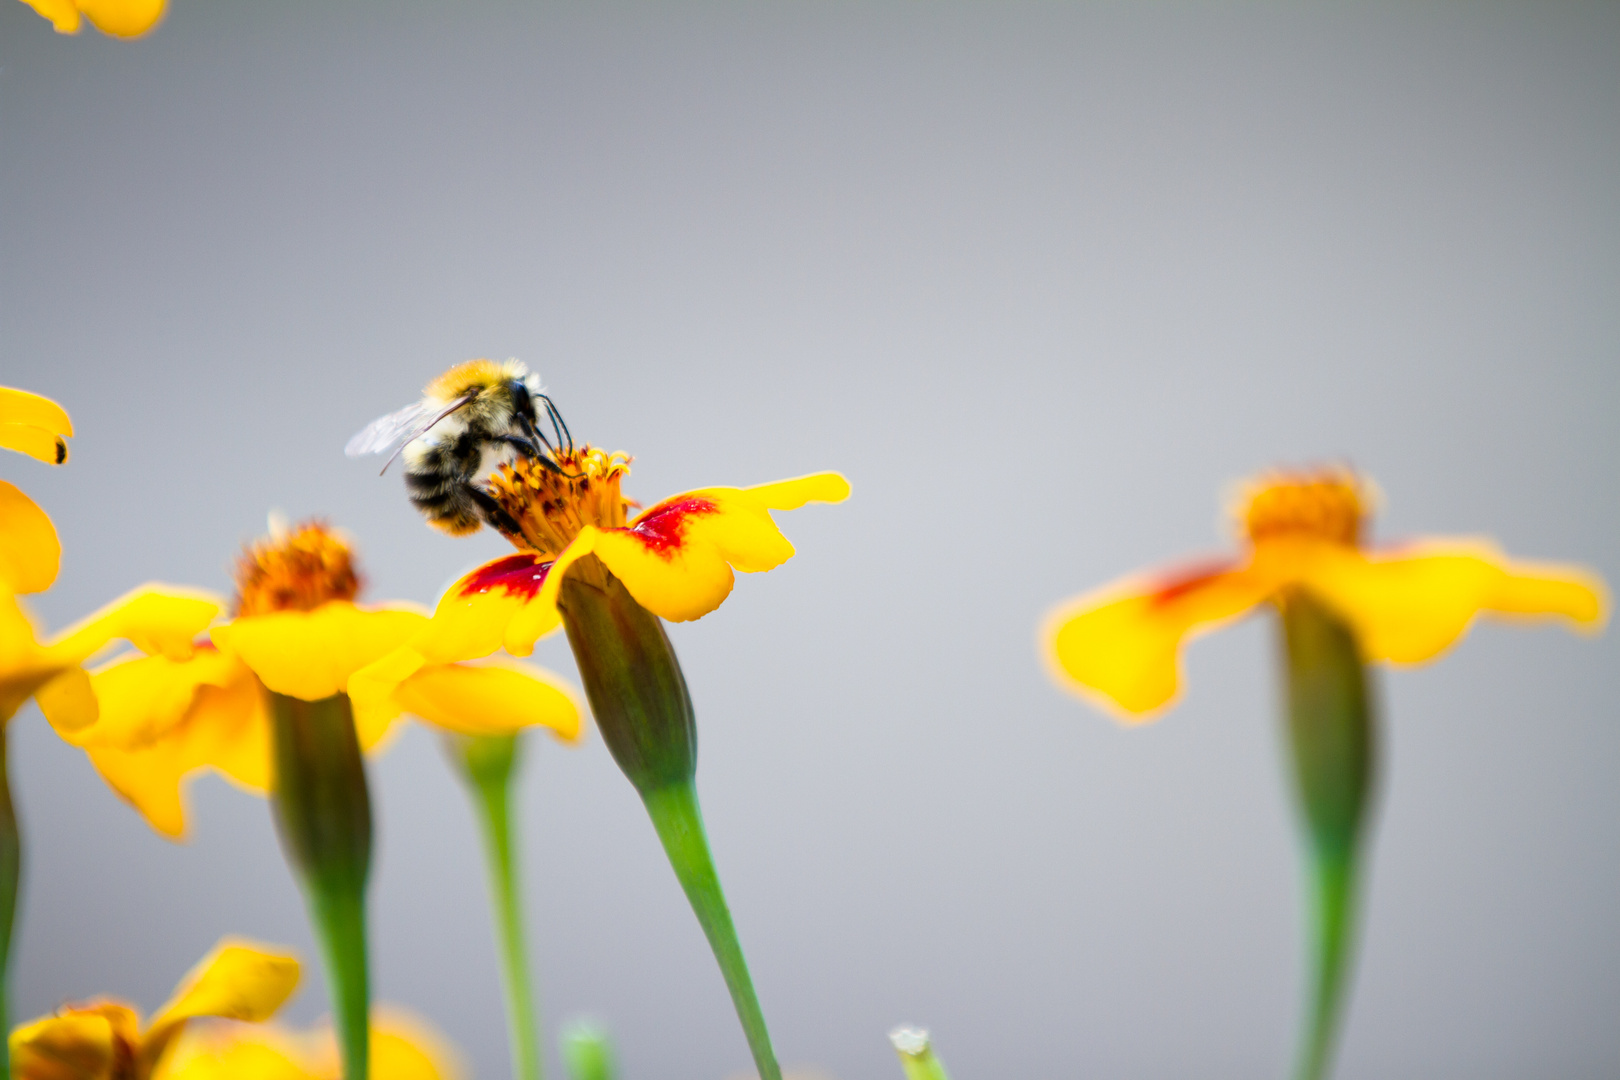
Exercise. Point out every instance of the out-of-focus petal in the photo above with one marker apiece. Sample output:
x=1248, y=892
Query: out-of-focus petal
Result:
x=1410, y=605
x=33, y=423
x=157, y=619
x=238, y=980
x=64, y=17
x=403, y=1047
x=163, y=721
x=30, y=553
x=1121, y=647
x=490, y=699
x=123, y=18
x=24, y=666
x=227, y=1050
x=311, y=654
x=77, y=1044
x=141, y=698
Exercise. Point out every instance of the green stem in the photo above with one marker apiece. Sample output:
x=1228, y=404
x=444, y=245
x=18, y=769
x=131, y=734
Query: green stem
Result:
x=1334, y=754
x=675, y=814
x=10, y=879
x=322, y=809
x=488, y=764
x=917, y=1055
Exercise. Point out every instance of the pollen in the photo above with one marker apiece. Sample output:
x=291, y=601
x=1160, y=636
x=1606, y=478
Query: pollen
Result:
x=298, y=569
x=1322, y=504
x=550, y=507
x=473, y=375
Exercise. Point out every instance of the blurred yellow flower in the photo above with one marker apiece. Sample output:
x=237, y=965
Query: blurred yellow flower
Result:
x=403, y=1047
x=118, y=18
x=1120, y=646
x=155, y=718
x=103, y=1039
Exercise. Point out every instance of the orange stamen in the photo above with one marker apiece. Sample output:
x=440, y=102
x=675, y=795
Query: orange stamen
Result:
x=298, y=570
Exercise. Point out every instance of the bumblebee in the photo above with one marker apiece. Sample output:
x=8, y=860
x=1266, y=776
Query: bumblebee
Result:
x=471, y=420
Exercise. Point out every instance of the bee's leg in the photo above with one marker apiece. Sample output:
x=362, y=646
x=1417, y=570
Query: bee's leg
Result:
x=564, y=438
x=491, y=511
x=536, y=437
x=525, y=446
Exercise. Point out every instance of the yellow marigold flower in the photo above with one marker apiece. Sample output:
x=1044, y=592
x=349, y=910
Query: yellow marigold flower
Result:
x=676, y=558
x=104, y=1040
x=296, y=631
x=117, y=18
x=1121, y=646
x=403, y=1047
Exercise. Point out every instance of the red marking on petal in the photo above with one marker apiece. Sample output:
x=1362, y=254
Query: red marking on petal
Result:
x=1179, y=582
x=663, y=530
x=515, y=575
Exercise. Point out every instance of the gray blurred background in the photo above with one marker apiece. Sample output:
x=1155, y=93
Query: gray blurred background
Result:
x=1042, y=279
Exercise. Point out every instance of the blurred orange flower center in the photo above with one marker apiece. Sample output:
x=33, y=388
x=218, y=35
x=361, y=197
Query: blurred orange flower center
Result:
x=550, y=509
x=298, y=570
x=1327, y=505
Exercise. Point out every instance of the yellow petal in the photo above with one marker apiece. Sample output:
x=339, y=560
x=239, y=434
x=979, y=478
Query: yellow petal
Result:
x=312, y=654
x=25, y=667
x=162, y=721
x=403, y=1047
x=69, y=702
x=142, y=698
x=826, y=487
x=123, y=18
x=72, y=1047
x=36, y=443
x=491, y=699
x=1121, y=647
x=157, y=619
x=1411, y=605
x=30, y=553
x=223, y=1050
x=677, y=557
x=29, y=422
x=64, y=17
x=473, y=616
x=238, y=980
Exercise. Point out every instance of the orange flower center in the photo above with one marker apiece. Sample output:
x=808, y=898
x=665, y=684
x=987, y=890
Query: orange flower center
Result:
x=1330, y=504
x=297, y=570
x=550, y=508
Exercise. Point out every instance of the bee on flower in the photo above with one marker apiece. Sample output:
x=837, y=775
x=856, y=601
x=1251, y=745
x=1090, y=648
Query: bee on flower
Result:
x=607, y=577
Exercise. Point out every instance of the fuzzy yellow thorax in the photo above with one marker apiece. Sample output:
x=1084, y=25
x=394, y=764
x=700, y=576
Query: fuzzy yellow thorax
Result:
x=295, y=570
x=550, y=509
x=473, y=376
x=1330, y=504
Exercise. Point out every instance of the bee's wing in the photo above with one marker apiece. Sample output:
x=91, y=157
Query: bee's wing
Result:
x=385, y=432
x=399, y=429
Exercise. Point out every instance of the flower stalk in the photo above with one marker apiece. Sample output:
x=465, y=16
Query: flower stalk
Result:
x=488, y=764
x=644, y=712
x=1333, y=748
x=916, y=1052
x=323, y=812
